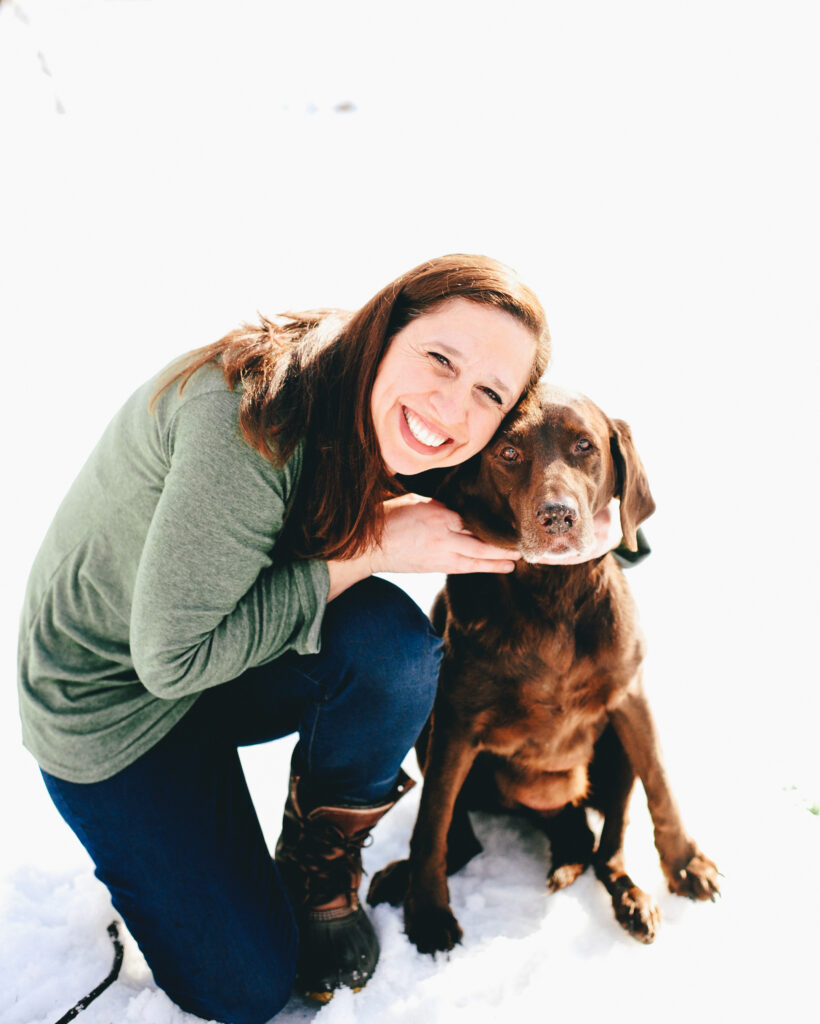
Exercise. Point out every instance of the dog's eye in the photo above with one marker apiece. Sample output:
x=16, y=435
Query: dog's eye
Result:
x=584, y=445
x=509, y=454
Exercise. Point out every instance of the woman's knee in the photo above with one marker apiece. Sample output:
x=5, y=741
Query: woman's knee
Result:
x=238, y=1000
x=233, y=974
x=380, y=635
x=191, y=877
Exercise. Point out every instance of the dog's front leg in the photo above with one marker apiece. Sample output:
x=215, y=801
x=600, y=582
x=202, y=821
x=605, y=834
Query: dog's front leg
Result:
x=428, y=920
x=688, y=871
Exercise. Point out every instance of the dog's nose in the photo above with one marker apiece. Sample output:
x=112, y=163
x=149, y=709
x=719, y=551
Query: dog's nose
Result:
x=556, y=518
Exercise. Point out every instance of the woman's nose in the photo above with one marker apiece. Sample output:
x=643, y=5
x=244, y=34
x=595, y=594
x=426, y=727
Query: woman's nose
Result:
x=451, y=403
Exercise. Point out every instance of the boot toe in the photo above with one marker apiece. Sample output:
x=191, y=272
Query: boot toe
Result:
x=333, y=954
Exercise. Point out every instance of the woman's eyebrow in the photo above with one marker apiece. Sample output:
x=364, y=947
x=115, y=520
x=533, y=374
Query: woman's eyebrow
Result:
x=493, y=381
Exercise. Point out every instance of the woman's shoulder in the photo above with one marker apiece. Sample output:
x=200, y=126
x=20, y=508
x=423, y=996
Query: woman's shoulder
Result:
x=204, y=414
x=168, y=394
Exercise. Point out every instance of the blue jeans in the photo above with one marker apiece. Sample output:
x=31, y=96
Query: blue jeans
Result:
x=175, y=836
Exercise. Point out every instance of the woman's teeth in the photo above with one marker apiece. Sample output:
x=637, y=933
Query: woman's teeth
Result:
x=422, y=433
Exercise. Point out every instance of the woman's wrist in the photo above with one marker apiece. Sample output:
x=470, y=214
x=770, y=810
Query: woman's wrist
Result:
x=344, y=572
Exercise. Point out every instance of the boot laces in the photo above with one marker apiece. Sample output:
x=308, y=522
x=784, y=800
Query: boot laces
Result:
x=329, y=859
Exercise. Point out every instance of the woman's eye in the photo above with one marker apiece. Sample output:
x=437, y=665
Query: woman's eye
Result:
x=492, y=395
x=440, y=359
x=509, y=454
x=584, y=445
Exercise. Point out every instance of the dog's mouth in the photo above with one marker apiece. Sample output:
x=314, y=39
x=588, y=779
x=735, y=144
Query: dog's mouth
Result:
x=554, y=554
x=538, y=548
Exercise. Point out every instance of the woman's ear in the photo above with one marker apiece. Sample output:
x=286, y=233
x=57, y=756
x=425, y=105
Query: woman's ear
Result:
x=632, y=485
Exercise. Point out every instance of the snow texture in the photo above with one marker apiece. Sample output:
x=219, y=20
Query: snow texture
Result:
x=169, y=168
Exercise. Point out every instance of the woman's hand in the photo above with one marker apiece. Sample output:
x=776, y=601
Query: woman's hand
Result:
x=422, y=535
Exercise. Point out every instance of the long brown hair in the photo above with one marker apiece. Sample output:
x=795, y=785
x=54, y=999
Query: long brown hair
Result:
x=310, y=375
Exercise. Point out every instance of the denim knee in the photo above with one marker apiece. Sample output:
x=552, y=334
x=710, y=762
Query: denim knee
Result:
x=375, y=682
x=380, y=635
x=239, y=1003
x=175, y=839
x=244, y=978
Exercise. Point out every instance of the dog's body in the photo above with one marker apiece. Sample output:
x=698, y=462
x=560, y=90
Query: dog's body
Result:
x=540, y=708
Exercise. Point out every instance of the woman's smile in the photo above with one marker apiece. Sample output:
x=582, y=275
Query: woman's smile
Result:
x=421, y=431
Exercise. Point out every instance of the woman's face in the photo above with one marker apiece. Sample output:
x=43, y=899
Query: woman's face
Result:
x=445, y=383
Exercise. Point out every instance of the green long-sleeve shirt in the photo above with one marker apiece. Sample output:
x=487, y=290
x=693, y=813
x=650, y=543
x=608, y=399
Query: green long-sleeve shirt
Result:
x=156, y=581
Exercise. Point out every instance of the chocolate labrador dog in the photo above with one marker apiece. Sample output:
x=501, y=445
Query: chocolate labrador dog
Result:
x=540, y=707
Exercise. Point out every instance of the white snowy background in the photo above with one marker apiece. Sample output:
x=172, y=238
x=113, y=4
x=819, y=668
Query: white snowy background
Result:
x=168, y=168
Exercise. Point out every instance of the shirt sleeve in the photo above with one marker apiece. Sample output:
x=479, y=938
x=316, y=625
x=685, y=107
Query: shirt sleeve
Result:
x=209, y=602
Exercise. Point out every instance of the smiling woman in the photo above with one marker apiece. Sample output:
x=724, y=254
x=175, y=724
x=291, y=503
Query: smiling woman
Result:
x=207, y=584
x=446, y=382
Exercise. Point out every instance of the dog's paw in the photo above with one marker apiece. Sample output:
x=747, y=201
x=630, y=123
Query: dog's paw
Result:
x=636, y=911
x=564, y=875
x=697, y=879
x=432, y=929
x=390, y=884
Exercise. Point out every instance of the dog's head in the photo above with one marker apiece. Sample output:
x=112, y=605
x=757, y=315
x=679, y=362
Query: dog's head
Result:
x=537, y=485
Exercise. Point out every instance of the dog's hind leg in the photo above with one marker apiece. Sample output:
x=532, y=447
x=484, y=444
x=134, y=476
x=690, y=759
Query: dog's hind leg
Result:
x=571, y=845
x=612, y=778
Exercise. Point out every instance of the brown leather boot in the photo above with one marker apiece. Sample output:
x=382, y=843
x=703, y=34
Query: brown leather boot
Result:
x=319, y=855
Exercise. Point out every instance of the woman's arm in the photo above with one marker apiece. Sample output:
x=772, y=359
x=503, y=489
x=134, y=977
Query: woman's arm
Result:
x=208, y=601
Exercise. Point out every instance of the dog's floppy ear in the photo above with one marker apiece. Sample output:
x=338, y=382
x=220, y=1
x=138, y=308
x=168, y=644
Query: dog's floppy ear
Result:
x=455, y=482
x=631, y=485
x=483, y=510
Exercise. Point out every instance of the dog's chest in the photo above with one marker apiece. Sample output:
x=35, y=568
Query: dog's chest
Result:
x=544, y=668
x=540, y=637
x=558, y=681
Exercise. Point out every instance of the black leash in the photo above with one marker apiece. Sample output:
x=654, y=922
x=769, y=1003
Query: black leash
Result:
x=103, y=985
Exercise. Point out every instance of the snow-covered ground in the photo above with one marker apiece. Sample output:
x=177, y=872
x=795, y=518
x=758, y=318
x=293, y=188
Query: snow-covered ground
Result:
x=169, y=168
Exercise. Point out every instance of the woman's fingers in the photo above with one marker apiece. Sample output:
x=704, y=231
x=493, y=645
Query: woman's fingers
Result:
x=470, y=554
x=607, y=525
x=469, y=551
x=464, y=564
x=613, y=536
